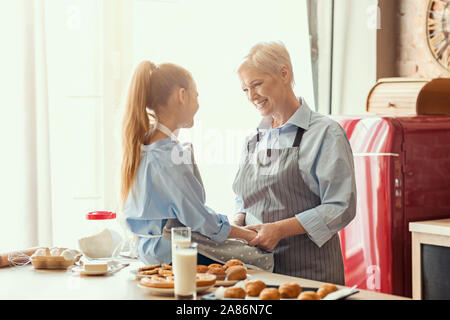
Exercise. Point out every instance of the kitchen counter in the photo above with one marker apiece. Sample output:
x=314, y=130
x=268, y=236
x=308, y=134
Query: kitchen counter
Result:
x=25, y=283
x=429, y=233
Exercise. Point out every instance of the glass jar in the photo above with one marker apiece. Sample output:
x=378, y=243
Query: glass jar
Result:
x=103, y=239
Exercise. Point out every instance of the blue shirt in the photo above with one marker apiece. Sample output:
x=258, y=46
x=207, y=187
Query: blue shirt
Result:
x=166, y=188
x=326, y=165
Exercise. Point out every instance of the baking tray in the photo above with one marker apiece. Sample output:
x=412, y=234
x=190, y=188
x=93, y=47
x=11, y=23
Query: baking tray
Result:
x=211, y=296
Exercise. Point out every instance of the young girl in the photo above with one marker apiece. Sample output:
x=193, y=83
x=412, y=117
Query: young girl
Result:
x=159, y=179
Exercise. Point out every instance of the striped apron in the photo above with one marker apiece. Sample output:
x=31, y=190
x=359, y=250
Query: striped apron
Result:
x=252, y=257
x=272, y=189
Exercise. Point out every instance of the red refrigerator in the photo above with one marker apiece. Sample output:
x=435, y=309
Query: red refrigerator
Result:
x=402, y=168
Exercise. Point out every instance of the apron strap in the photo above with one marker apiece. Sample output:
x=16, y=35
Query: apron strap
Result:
x=298, y=137
x=251, y=145
x=253, y=141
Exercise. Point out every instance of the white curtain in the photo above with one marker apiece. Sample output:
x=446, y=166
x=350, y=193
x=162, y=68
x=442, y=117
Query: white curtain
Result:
x=25, y=188
x=64, y=70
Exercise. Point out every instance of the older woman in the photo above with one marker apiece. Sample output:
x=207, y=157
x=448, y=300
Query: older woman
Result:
x=295, y=185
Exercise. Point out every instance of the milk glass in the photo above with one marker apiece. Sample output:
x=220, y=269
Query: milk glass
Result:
x=184, y=266
x=181, y=236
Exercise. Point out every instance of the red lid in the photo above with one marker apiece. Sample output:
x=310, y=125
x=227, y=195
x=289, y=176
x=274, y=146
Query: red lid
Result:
x=100, y=215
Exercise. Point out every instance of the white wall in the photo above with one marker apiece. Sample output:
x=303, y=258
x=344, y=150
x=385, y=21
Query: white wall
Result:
x=354, y=62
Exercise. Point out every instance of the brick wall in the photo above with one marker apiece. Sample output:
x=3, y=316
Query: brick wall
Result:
x=403, y=27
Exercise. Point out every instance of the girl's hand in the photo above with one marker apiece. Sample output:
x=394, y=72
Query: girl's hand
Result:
x=239, y=220
x=268, y=237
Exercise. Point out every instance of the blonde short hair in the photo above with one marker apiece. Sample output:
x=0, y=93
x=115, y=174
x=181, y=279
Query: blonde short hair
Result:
x=269, y=57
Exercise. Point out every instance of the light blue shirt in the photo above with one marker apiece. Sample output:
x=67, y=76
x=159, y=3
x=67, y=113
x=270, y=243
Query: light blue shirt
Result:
x=326, y=166
x=165, y=188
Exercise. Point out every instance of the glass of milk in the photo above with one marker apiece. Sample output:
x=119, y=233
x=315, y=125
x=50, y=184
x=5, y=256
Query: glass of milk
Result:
x=180, y=235
x=184, y=266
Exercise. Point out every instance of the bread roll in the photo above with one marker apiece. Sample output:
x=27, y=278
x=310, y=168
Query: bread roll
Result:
x=326, y=289
x=308, y=295
x=254, y=288
x=218, y=271
x=233, y=262
x=202, y=269
x=235, y=292
x=236, y=273
x=270, y=294
x=290, y=290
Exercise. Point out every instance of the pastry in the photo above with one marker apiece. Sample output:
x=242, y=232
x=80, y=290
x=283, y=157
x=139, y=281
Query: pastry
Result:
x=308, y=295
x=236, y=273
x=235, y=292
x=204, y=279
x=233, y=262
x=157, y=281
x=270, y=294
x=254, y=288
x=165, y=273
x=215, y=265
x=218, y=271
x=150, y=267
x=202, y=269
x=290, y=290
x=330, y=287
x=149, y=272
x=166, y=266
x=326, y=289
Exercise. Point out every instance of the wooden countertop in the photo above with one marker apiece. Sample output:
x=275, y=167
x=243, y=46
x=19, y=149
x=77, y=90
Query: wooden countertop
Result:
x=439, y=227
x=26, y=283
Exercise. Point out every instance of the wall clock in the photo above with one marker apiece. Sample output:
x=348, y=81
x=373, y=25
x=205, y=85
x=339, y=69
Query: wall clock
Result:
x=438, y=31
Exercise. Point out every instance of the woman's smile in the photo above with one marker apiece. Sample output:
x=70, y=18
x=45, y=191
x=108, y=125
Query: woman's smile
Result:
x=261, y=104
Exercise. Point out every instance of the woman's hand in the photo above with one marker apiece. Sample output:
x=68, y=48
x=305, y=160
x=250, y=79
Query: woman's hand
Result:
x=242, y=233
x=269, y=235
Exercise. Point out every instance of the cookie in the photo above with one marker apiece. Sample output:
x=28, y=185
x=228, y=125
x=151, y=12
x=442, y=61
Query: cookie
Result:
x=150, y=267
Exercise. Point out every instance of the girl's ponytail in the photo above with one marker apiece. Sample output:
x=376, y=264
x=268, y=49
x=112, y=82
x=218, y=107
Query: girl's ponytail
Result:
x=136, y=124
